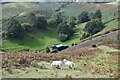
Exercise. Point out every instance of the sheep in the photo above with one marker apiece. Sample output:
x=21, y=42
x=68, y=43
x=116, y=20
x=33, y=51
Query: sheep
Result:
x=70, y=64
x=57, y=64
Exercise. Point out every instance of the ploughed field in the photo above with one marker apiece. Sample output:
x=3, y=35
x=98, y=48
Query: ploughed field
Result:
x=97, y=62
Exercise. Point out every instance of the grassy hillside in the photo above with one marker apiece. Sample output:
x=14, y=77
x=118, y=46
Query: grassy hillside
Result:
x=90, y=62
x=108, y=11
x=12, y=9
x=41, y=39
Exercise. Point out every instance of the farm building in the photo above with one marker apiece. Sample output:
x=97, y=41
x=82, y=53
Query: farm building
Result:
x=59, y=47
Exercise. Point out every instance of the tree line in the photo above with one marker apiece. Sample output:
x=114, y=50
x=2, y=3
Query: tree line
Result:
x=16, y=27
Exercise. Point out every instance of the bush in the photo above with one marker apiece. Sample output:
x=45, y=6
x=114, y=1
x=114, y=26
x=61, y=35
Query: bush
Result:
x=63, y=37
x=41, y=22
x=47, y=49
x=14, y=29
x=26, y=26
x=94, y=26
x=52, y=23
x=85, y=35
x=83, y=17
x=4, y=34
x=94, y=45
x=27, y=18
x=96, y=15
x=64, y=31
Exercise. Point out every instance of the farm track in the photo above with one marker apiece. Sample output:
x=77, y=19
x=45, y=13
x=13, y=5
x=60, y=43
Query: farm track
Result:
x=97, y=40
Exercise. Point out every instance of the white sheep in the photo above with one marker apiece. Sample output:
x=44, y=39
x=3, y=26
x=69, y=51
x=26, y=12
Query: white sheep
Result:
x=57, y=64
x=70, y=64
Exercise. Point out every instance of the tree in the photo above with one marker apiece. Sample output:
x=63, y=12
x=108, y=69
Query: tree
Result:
x=41, y=22
x=26, y=26
x=14, y=29
x=47, y=49
x=52, y=23
x=63, y=37
x=84, y=35
x=64, y=31
x=92, y=16
x=95, y=15
x=98, y=14
x=83, y=17
x=63, y=28
x=71, y=22
x=27, y=18
x=58, y=17
x=72, y=19
x=94, y=26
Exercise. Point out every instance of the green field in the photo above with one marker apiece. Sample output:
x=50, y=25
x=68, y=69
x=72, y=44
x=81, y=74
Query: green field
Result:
x=12, y=9
x=41, y=39
x=92, y=59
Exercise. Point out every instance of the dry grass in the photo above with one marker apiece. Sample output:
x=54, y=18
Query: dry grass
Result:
x=89, y=62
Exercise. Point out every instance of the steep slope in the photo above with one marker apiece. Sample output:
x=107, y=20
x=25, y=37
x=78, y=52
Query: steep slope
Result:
x=111, y=37
x=108, y=10
x=12, y=9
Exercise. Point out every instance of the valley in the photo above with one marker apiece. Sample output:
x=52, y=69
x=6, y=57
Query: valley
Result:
x=30, y=30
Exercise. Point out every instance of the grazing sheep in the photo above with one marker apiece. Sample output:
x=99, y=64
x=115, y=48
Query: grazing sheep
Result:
x=70, y=64
x=57, y=64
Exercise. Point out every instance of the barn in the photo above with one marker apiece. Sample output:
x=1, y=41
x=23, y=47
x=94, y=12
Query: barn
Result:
x=59, y=47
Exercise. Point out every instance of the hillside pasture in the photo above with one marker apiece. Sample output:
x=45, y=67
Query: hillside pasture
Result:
x=108, y=11
x=13, y=9
x=93, y=63
x=40, y=39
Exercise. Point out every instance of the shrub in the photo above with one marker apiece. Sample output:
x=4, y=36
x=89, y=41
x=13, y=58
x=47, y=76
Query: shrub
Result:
x=85, y=35
x=14, y=29
x=94, y=45
x=94, y=26
x=72, y=44
x=65, y=31
x=52, y=23
x=47, y=49
x=27, y=18
x=63, y=37
x=83, y=17
x=41, y=22
x=4, y=34
x=26, y=26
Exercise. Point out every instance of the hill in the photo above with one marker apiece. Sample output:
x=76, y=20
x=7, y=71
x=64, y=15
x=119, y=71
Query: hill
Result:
x=96, y=56
x=12, y=9
x=75, y=9
x=108, y=38
x=48, y=37
x=99, y=62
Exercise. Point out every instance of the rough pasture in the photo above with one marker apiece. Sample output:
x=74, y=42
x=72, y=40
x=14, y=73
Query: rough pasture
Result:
x=92, y=62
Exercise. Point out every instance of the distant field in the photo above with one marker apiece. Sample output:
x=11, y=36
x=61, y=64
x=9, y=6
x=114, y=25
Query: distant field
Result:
x=94, y=57
x=12, y=9
x=47, y=38
x=41, y=40
x=108, y=11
